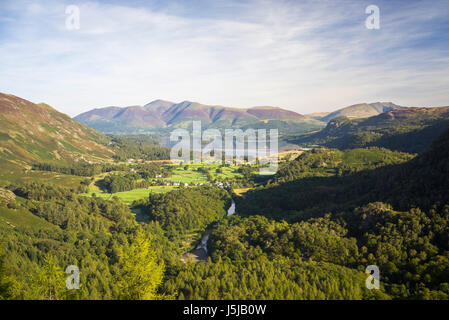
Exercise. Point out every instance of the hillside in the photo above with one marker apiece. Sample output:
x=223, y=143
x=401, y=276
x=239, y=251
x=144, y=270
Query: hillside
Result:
x=361, y=110
x=396, y=214
x=161, y=114
x=323, y=180
x=406, y=129
x=31, y=133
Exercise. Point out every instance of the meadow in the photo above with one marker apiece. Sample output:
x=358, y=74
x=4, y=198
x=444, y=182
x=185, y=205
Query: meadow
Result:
x=192, y=175
x=129, y=196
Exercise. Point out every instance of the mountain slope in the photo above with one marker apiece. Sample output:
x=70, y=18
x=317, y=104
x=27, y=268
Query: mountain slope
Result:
x=405, y=129
x=164, y=114
x=420, y=182
x=36, y=132
x=362, y=110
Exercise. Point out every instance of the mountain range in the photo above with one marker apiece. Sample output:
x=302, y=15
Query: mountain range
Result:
x=159, y=114
x=32, y=132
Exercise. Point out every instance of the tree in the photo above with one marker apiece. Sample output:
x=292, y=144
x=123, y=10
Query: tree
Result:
x=140, y=273
x=5, y=283
x=48, y=283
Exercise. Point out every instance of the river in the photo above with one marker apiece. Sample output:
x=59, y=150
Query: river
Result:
x=205, y=239
x=231, y=209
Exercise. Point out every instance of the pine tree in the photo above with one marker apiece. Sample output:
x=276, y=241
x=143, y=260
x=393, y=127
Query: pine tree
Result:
x=5, y=283
x=48, y=282
x=140, y=272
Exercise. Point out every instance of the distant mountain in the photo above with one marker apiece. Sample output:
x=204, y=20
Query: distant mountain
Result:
x=361, y=110
x=164, y=114
x=403, y=129
x=36, y=132
x=317, y=115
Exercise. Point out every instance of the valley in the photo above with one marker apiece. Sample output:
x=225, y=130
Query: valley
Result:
x=247, y=159
x=222, y=231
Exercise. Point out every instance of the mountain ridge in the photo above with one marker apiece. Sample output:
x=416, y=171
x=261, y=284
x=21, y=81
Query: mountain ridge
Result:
x=360, y=110
x=160, y=114
x=165, y=114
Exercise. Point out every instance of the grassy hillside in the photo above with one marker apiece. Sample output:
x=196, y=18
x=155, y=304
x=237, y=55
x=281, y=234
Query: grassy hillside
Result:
x=38, y=133
x=362, y=110
x=33, y=134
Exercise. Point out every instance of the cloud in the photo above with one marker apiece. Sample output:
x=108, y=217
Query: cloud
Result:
x=309, y=56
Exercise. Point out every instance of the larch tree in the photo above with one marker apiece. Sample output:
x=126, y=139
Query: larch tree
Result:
x=140, y=273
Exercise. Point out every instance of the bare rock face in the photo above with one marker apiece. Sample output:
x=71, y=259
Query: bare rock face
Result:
x=6, y=195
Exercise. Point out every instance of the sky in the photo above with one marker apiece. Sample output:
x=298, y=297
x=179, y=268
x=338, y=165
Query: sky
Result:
x=305, y=56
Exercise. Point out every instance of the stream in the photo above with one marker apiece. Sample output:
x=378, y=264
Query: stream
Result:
x=203, y=243
x=231, y=209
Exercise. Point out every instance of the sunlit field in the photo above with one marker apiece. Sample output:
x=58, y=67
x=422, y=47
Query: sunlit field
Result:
x=129, y=196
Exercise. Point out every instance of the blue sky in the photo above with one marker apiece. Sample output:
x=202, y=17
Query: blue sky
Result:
x=306, y=56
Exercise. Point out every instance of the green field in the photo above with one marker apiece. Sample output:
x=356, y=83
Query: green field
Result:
x=187, y=176
x=129, y=196
x=179, y=174
x=191, y=175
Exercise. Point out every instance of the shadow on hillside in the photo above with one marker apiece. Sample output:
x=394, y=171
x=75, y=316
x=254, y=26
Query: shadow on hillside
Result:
x=420, y=182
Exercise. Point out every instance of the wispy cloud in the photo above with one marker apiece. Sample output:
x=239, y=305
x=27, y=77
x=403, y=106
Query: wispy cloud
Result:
x=307, y=56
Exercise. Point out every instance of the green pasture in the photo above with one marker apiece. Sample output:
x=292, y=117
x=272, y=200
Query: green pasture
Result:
x=191, y=175
x=129, y=196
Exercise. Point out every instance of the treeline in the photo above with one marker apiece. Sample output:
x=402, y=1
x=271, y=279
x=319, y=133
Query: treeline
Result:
x=152, y=170
x=42, y=192
x=134, y=177
x=66, y=210
x=138, y=147
x=82, y=169
x=147, y=170
x=118, y=183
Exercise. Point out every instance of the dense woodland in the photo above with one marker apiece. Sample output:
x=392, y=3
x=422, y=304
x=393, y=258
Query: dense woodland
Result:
x=82, y=169
x=307, y=233
x=138, y=147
